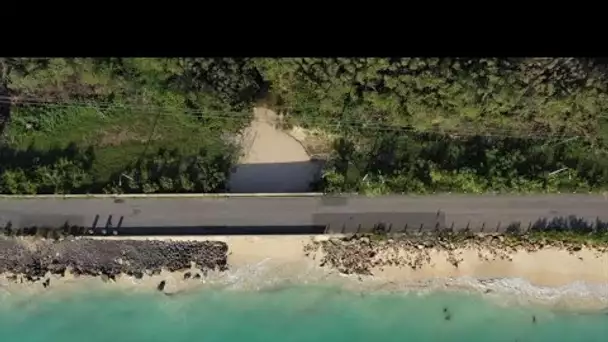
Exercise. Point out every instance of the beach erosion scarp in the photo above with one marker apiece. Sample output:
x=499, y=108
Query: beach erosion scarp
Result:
x=553, y=274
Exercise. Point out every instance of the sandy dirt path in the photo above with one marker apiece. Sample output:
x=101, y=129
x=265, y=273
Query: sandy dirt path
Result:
x=273, y=161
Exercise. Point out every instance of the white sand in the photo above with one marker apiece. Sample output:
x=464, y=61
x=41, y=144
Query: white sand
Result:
x=548, y=267
x=260, y=261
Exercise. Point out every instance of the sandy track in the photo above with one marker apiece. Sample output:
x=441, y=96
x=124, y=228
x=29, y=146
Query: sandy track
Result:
x=273, y=160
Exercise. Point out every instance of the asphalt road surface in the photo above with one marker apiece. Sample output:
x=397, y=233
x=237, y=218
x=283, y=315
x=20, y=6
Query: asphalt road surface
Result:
x=304, y=214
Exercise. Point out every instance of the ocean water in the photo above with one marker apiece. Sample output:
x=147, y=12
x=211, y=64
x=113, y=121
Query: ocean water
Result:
x=297, y=313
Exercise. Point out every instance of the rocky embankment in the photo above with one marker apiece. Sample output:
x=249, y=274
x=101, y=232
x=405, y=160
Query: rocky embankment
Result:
x=30, y=259
x=361, y=254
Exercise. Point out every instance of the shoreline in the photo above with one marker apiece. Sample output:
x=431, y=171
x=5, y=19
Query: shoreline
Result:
x=551, y=276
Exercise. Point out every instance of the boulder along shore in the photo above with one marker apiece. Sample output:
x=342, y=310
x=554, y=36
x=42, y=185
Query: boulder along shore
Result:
x=29, y=260
x=385, y=261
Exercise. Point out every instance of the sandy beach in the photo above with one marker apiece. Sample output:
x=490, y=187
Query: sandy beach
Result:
x=554, y=277
x=549, y=267
x=260, y=262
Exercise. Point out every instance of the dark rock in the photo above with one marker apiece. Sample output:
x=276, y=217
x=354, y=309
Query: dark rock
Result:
x=107, y=257
x=197, y=276
x=46, y=283
x=161, y=285
x=187, y=275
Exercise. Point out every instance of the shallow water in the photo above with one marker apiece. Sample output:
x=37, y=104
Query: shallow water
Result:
x=312, y=313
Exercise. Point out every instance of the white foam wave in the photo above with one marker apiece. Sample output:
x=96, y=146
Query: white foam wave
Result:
x=520, y=286
x=265, y=276
x=577, y=294
x=271, y=275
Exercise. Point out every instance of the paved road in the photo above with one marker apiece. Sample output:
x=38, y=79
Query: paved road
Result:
x=340, y=214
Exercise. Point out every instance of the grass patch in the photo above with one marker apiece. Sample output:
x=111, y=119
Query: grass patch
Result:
x=568, y=237
x=119, y=136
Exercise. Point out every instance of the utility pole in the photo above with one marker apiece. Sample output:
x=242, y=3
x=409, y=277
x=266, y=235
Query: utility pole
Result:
x=346, y=103
x=5, y=100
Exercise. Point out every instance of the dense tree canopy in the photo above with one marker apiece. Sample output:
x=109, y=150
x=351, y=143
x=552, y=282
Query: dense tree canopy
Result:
x=121, y=110
x=539, y=96
x=402, y=124
x=452, y=124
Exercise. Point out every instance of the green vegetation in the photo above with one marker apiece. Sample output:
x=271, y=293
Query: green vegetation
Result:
x=570, y=237
x=452, y=124
x=571, y=231
x=418, y=125
x=117, y=124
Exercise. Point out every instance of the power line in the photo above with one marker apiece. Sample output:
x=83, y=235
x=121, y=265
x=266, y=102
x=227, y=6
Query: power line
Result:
x=107, y=105
x=405, y=129
x=327, y=122
x=200, y=113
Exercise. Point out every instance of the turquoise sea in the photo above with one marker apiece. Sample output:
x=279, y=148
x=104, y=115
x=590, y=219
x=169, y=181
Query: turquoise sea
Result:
x=298, y=314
